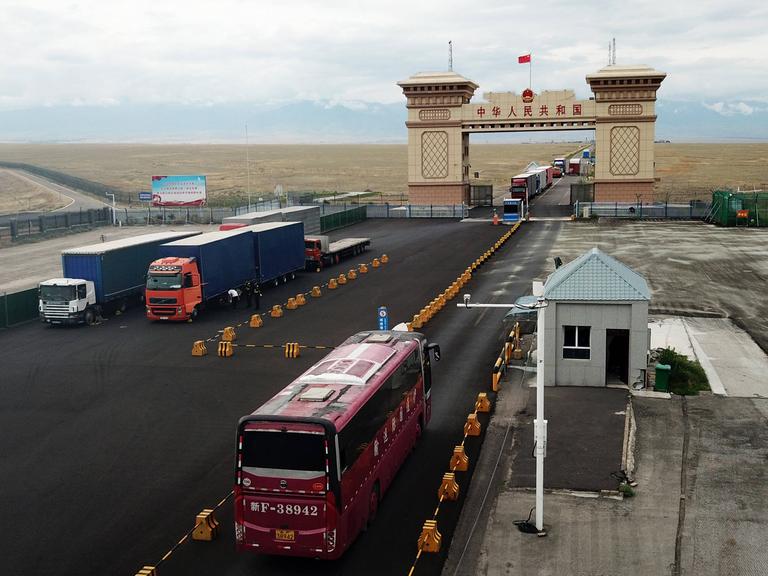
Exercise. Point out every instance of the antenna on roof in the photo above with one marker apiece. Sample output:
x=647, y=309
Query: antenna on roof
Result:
x=613, y=53
x=450, y=55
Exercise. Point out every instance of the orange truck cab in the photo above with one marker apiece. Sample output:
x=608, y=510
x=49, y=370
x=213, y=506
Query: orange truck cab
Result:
x=173, y=289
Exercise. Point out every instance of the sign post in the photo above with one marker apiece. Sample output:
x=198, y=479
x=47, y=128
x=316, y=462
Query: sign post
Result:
x=383, y=318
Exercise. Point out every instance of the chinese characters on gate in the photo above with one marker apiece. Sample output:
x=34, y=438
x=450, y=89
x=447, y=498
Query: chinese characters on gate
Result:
x=528, y=111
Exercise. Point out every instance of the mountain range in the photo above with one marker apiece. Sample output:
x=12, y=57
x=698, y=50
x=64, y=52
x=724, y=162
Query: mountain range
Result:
x=328, y=122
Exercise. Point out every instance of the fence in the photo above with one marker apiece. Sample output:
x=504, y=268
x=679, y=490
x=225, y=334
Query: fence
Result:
x=694, y=210
x=739, y=208
x=417, y=211
x=18, y=228
x=341, y=219
x=18, y=307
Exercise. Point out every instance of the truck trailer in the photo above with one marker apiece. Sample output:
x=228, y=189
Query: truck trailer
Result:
x=320, y=252
x=100, y=277
x=193, y=272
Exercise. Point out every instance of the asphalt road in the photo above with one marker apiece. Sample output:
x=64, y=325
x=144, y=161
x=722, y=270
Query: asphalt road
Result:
x=113, y=437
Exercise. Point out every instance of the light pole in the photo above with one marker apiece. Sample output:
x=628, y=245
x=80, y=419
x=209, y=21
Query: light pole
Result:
x=247, y=168
x=539, y=424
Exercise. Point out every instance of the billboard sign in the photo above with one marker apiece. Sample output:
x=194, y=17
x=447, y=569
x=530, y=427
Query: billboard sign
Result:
x=178, y=190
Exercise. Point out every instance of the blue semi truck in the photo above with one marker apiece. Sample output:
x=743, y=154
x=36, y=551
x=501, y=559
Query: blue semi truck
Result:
x=192, y=272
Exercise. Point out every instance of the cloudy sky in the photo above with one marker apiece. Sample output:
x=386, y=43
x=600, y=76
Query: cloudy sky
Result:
x=111, y=53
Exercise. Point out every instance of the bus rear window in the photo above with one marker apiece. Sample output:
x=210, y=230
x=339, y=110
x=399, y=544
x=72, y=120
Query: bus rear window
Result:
x=284, y=451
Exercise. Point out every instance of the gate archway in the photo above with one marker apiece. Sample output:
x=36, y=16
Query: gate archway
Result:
x=622, y=113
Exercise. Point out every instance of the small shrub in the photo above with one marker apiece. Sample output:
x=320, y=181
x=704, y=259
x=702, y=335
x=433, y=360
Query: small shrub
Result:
x=687, y=377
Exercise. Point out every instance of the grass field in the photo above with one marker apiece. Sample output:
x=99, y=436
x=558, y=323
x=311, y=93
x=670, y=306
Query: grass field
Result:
x=685, y=170
x=18, y=194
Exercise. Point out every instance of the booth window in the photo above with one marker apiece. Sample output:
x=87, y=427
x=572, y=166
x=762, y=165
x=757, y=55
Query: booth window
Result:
x=576, y=342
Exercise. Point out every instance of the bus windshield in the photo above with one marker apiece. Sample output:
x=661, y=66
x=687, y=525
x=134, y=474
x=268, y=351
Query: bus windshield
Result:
x=163, y=281
x=273, y=453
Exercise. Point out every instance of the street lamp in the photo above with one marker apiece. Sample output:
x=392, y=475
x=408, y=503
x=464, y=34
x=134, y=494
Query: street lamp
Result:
x=539, y=424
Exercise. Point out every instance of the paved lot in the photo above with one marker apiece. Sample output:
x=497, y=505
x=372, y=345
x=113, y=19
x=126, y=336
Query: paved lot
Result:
x=113, y=437
x=693, y=269
x=585, y=434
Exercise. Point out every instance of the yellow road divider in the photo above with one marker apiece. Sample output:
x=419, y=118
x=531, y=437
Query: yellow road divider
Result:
x=342, y=279
x=498, y=369
x=292, y=350
x=449, y=488
x=225, y=349
x=363, y=269
x=316, y=293
x=482, y=404
x=256, y=321
x=376, y=263
x=300, y=299
x=384, y=258
x=147, y=571
x=352, y=274
x=430, y=538
x=206, y=526
x=459, y=460
x=277, y=311
x=332, y=284
x=228, y=335
x=291, y=304
x=199, y=349
x=472, y=425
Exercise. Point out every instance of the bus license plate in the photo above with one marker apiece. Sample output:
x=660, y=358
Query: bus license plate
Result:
x=287, y=535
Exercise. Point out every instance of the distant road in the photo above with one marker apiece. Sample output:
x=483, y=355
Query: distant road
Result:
x=77, y=200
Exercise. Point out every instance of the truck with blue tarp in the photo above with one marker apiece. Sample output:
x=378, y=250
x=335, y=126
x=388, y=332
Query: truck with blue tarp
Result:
x=193, y=272
x=98, y=278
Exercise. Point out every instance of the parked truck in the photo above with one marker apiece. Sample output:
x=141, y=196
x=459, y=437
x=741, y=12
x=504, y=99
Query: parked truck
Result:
x=193, y=272
x=100, y=278
x=320, y=252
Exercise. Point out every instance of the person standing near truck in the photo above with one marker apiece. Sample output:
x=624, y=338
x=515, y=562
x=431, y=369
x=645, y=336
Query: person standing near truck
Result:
x=248, y=291
x=257, y=294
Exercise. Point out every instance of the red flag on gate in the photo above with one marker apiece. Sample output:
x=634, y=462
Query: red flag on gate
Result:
x=524, y=59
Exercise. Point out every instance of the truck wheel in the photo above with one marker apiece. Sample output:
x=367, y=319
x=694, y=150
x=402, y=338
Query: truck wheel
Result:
x=122, y=305
x=194, y=314
x=89, y=317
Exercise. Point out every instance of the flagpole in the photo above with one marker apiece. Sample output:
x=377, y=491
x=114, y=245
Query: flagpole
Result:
x=530, y=70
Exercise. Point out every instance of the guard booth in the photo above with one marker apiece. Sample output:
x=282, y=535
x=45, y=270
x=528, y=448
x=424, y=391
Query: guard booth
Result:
x=513, y=211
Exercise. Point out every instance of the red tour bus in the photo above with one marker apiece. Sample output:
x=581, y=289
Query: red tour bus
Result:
x=314, y=461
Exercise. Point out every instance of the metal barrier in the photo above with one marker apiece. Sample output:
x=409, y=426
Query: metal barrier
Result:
x=694, y=210
x=18, y=307
x=417, y=211
x=338, y=220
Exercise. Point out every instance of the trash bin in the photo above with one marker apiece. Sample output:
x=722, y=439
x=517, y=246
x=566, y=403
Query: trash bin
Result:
x=662, y=377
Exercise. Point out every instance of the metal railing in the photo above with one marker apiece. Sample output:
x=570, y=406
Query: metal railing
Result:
x=693, y=210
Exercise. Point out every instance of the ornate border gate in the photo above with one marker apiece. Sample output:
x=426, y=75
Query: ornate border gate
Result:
x=441, y=117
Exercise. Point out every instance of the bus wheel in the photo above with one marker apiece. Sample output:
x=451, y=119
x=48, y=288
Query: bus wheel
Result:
x=373, y=503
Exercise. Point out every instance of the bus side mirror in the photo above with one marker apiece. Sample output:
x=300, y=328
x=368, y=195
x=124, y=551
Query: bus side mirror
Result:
x=435, y=349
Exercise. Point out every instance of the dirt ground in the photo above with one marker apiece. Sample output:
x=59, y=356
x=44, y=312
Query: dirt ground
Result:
x=692, y=269
x=685, y=171
x=20, y=194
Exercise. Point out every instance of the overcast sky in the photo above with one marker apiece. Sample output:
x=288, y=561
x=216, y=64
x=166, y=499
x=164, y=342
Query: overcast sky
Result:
x=110, y=52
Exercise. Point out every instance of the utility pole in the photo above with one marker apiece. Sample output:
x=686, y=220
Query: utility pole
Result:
x=539, y=424
x=247, y=168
